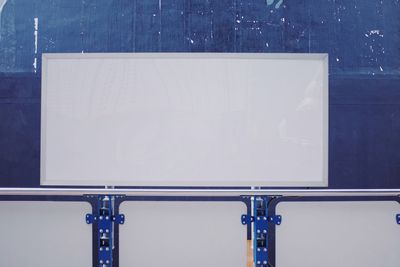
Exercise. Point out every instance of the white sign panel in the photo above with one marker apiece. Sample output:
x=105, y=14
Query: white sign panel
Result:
x=185, y=119
x=331, y=234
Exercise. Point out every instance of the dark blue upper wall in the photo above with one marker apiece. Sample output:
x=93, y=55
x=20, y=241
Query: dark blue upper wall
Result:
x=361, y=37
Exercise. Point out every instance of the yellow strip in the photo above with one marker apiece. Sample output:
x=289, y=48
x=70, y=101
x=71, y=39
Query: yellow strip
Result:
x=249, y=254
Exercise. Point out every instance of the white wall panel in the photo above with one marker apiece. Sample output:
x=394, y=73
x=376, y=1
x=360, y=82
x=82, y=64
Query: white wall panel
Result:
x=45, y=234
x=332, y=234
x=181, y=234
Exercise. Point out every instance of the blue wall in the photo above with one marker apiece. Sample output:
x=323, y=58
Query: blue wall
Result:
x=362, y=38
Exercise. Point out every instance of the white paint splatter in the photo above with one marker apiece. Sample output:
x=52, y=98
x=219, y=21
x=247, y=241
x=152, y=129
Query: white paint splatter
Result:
x=34, y=64
x=374, y=32
x=35, y=33
x=337, y=59
x=380, y=67
x=371, y=48
x=277, y=5
x=2, y=4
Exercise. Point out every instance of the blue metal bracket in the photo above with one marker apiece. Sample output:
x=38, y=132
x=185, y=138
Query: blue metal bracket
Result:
x=120, y=218
x=398, y=218
x=247, y=219
x=105, y=219
x=276, y=219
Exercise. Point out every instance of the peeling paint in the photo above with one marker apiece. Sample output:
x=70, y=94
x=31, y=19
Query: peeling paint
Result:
x=35, y=33
x=374, y=32
x=2, y=4
x=277, y=3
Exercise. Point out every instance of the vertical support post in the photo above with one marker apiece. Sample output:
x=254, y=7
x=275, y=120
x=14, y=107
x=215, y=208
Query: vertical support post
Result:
x=261, y=221
x=105, y=234
x=105, y=218
x=260, y=231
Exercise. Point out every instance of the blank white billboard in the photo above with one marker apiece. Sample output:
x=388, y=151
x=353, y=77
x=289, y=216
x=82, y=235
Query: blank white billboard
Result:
x=185, y=119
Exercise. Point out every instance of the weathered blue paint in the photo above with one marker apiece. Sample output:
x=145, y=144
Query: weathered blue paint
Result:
x=361, y=37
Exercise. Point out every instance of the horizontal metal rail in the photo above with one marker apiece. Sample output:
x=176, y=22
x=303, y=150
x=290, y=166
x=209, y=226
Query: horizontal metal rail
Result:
x=199, y=192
